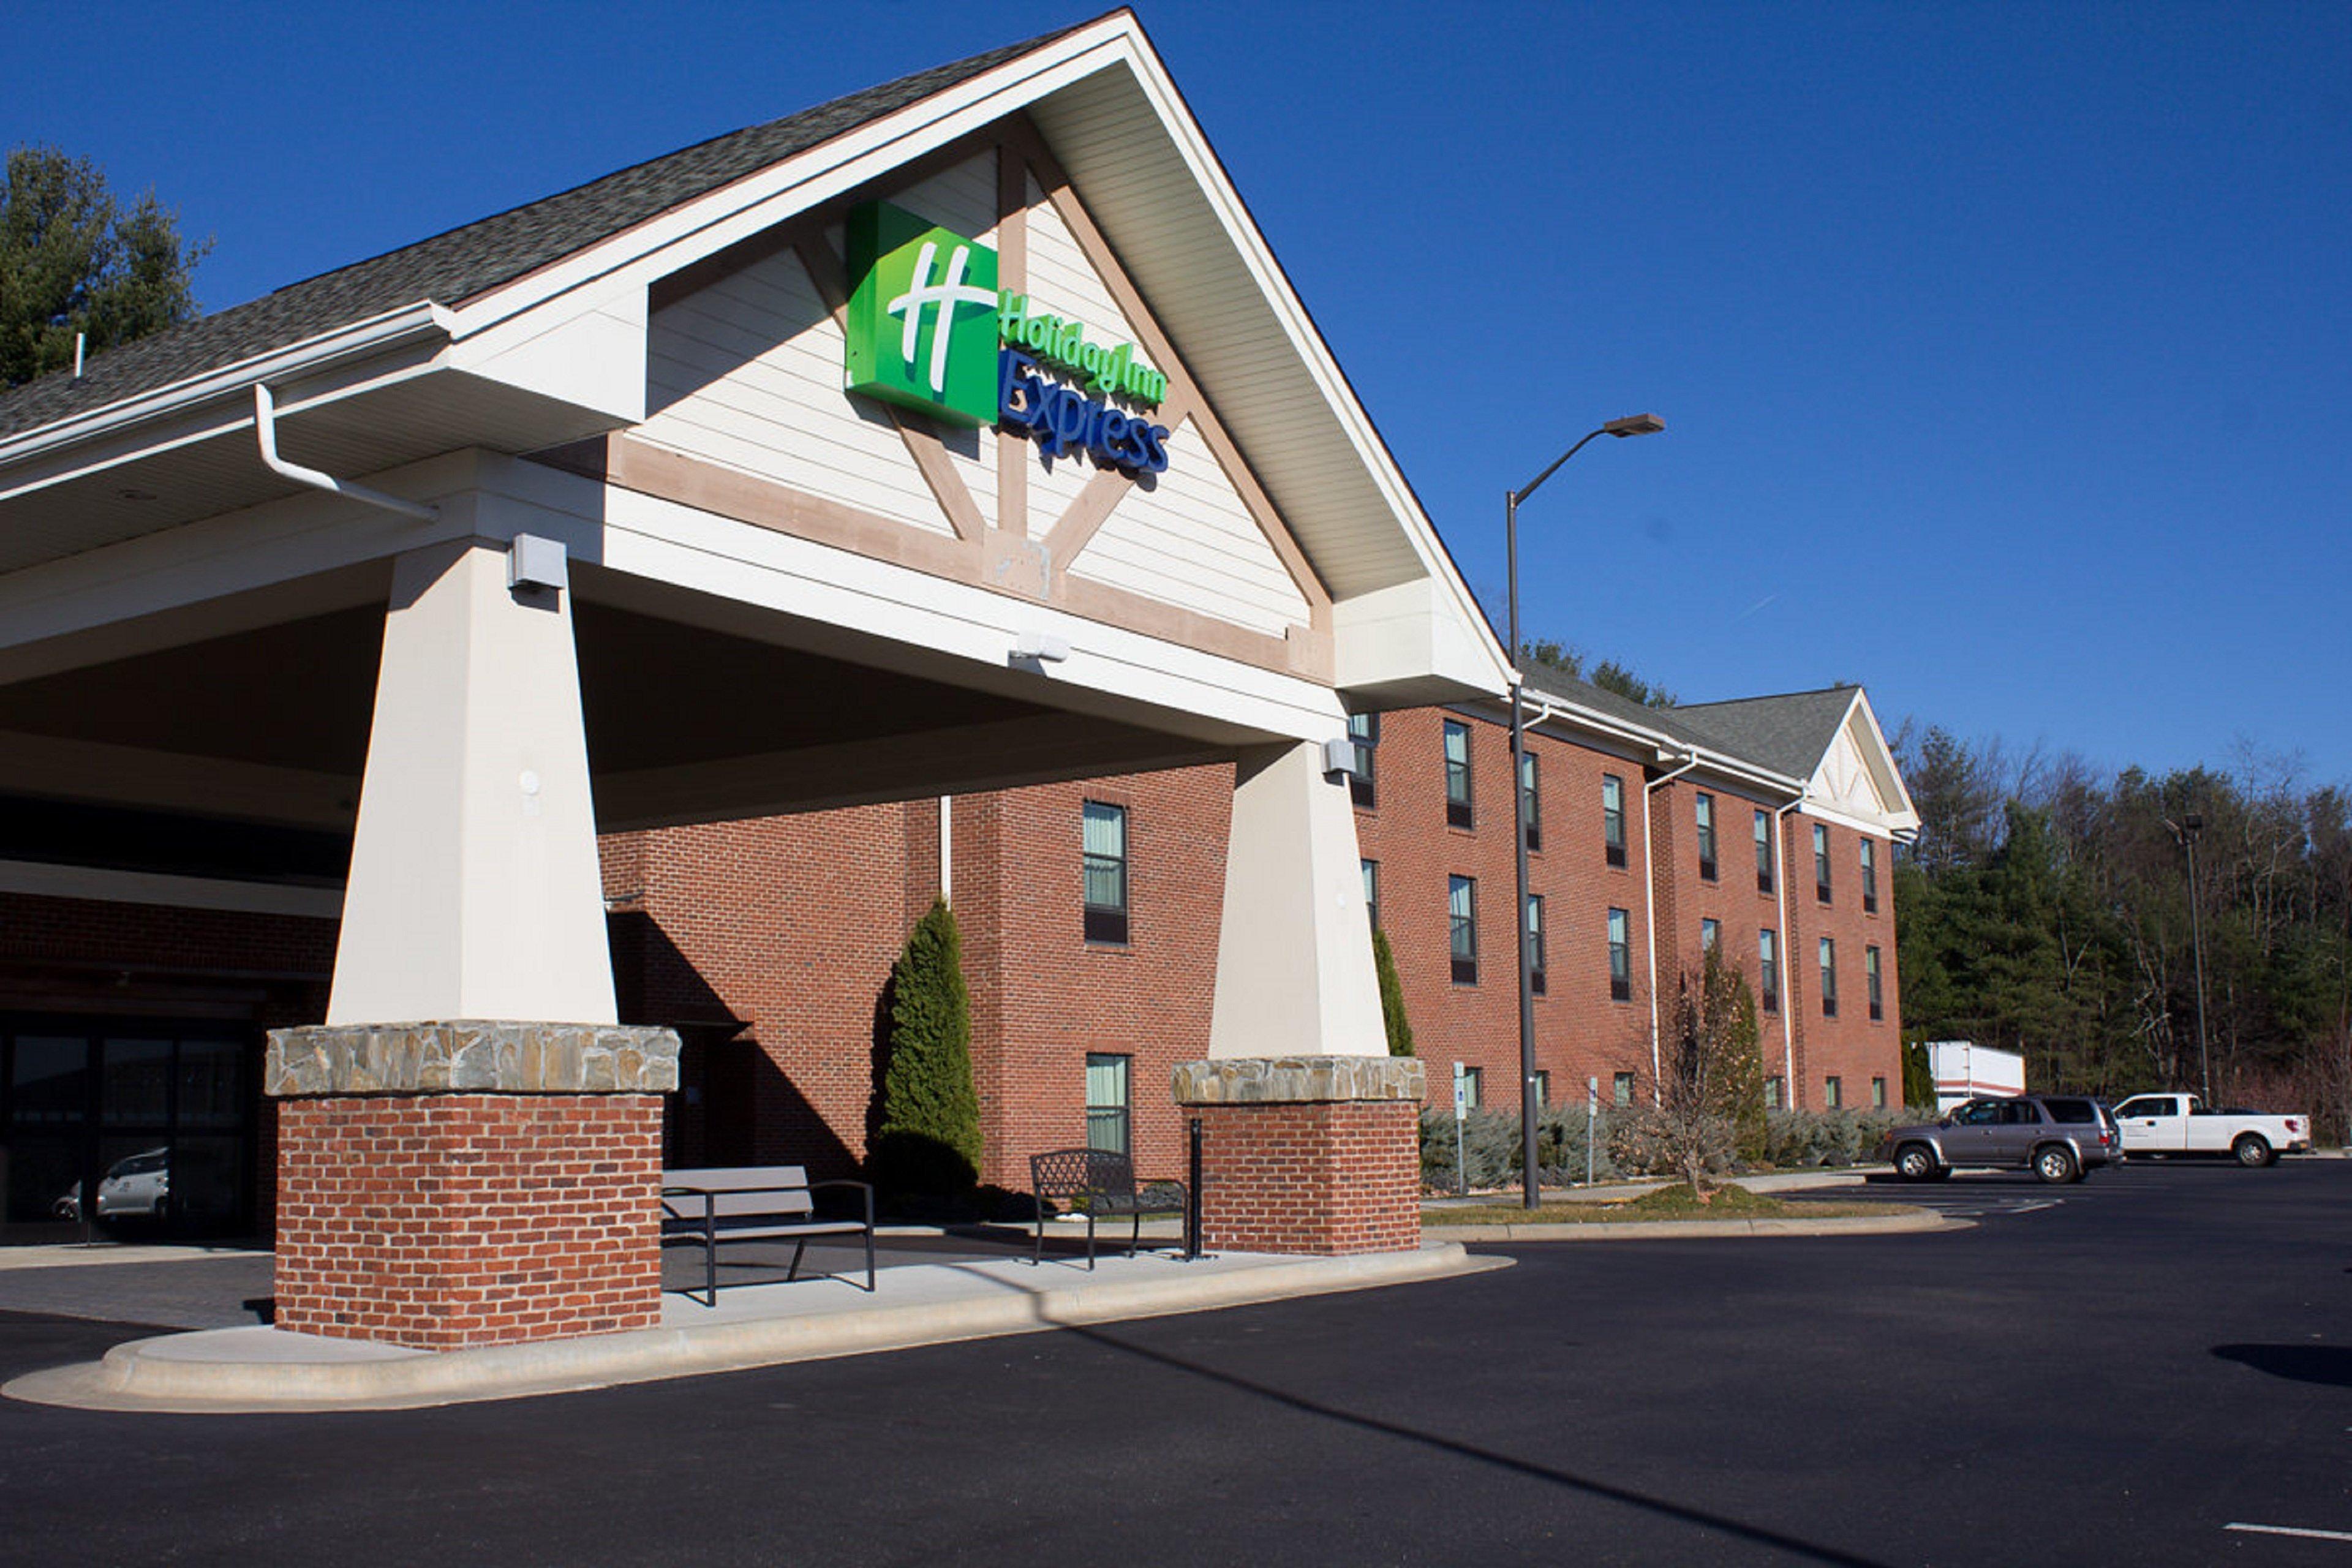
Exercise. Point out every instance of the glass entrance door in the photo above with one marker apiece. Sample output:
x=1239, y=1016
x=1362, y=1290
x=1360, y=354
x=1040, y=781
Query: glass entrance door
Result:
x=114, y=1132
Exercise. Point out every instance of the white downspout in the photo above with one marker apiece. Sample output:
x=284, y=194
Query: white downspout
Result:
x=947, y=849
x=1788, y=997
x=264, y=426
x=1650, y=909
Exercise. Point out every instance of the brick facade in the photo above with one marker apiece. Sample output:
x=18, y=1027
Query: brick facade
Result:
x=446, y=1220
x=1325, y=1178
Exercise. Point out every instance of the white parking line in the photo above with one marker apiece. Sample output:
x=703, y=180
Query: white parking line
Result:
x=2290, y=1530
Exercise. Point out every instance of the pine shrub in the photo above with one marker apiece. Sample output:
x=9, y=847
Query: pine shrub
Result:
x=927, y=1142
x=1400, y=1028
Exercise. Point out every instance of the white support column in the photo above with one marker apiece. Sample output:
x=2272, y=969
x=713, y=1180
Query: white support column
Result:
x=1295, y=951
x=474, y=890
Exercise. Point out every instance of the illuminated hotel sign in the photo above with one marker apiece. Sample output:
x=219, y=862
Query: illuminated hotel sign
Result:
x=930, y=329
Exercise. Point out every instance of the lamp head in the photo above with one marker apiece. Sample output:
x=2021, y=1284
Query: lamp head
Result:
x=1635, y=425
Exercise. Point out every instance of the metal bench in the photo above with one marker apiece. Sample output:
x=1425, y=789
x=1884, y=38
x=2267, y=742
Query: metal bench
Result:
x=1098, y=1183
x=754, y=1202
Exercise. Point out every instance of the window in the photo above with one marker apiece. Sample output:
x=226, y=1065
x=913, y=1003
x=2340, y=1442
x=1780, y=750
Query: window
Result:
x=1869, y=877
x=1620, y=958
x=1531, y=799
x=1107, y=1116
x=1710, y=938
x=1829, y=978
x=1364, y=737
x=1371, y=890
x=1613, y=818
x=1822, y=862
x=1768, y=970
x=1878, y=1094
x=1621, y=1088
x=1542, y=1088
x=1833, y=1092
x=1536, y=944
x=1473, y=1088
x=1457, y=774
x=1772, y=1092
x=1870, y=980
x=1706, y=808
x=1763, y=851
x=1462, y=924
x=1106, y=872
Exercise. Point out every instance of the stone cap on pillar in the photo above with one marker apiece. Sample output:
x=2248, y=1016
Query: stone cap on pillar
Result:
x=470, y=1056
x=1298, y=1080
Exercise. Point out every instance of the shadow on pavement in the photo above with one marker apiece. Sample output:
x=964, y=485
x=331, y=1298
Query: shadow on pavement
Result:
x=1809, y=1550
x=2329, y=1365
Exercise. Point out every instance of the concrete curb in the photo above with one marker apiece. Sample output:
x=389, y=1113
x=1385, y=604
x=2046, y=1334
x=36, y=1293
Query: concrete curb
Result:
x=1914, y=1221
x=228, y=1370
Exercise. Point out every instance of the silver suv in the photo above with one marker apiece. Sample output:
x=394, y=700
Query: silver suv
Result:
x=2060, y=1137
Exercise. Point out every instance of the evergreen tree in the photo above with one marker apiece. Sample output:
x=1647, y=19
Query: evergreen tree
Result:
x=928, y=1139
x=1400, y=1029
x=75, y=259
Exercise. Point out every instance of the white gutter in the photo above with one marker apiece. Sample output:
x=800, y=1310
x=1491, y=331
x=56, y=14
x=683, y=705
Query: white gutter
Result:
x=264, y=426
x=1650, y=908
x=360, y=339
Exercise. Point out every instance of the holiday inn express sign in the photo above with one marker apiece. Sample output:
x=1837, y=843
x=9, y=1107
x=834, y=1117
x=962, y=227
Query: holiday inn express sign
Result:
x=930, y=329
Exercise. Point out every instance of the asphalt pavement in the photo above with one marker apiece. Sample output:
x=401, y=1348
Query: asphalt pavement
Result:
x=2118, y=1372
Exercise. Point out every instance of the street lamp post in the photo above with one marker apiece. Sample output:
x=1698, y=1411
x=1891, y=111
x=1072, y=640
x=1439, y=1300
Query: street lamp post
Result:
x=2187, y=830
x=1633, y=424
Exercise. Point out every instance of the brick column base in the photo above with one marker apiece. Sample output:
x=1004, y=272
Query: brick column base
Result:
x=1308, y=1154
x=443, y=1185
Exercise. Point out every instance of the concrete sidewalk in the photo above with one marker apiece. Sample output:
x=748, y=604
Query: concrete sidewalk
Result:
x=268, y=1369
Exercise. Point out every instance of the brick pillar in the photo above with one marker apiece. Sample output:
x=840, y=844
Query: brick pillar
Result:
x=449, y=1185
x=1308, y=1154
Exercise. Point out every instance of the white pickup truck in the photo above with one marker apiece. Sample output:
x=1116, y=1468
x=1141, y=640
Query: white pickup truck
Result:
x=2179, y=1124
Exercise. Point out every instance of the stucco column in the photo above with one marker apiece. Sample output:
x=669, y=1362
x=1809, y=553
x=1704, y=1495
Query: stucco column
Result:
x=473, y=890
x=469, y=1148
x=1309, y=1129
x=1295, y=948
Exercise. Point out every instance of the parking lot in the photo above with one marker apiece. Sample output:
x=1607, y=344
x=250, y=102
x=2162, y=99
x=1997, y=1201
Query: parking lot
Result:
x=2152, y=1366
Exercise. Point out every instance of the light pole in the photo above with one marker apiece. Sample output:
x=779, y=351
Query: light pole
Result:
x=2186, y=830
x=1632, y=425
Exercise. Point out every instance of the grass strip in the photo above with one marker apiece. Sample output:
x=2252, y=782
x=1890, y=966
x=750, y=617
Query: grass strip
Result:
x=1676, y=1202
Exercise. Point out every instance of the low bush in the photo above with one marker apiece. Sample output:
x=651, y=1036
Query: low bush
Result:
x=1490, y=1148
x=1801, y=1140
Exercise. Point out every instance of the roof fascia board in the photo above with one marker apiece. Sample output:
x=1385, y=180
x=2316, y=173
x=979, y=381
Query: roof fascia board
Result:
x=1307, y=341
x=709, y=223
x=410, y=324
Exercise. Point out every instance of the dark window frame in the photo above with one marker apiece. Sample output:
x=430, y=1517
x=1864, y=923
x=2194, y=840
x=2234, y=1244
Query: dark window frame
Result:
x=1462, y=929
x=1106, y=924
x=1612, y=820
x=1767, y=853
x=1828, y=954
x=1821, y=861
x=1620, y=931
x=1363, y=772
x=1461, y=799
x=1703, y=818
x=1768, y=970
x=1371, y=874
x=1531, y=794
x=1535, y=939
x=1871, y=982
x=1869, y=854
x=1101, y=1119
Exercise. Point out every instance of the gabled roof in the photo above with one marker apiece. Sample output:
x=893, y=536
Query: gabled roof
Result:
x=456, y=266
x=1787, y=733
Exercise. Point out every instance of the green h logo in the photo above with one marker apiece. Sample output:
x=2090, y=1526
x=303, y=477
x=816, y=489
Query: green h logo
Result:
x=922, y=316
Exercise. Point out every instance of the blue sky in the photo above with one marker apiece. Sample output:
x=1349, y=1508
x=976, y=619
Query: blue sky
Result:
x=2003, y=349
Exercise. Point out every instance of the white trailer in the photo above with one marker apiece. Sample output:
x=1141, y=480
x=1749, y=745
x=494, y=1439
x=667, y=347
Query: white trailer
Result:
x=1966, y=1070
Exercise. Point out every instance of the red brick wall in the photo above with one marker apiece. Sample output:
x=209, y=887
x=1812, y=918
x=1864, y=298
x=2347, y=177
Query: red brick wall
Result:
x=1849, y=1046
x=1580, y=1030
x=441, y=1221
x=1312, y=1178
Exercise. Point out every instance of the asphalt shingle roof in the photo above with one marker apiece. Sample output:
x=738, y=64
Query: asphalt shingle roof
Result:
x=1787, y=733
x=456, y=266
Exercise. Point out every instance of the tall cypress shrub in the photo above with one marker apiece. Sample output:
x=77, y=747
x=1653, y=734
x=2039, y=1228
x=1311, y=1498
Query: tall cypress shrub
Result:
x=1919, y=1075
x=1400, y=1029
x=929, y=1140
